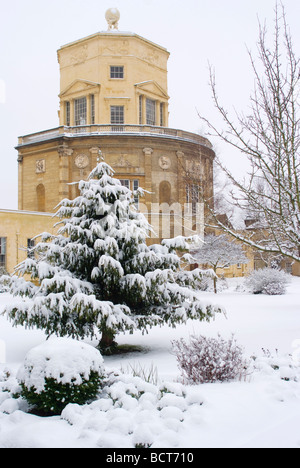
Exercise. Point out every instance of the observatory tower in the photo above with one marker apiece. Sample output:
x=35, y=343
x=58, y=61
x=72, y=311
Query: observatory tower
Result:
x=113, y=100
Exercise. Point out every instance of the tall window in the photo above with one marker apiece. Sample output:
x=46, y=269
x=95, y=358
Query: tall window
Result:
x=136, y=197
x=192, y=197
x=80, y=111
x=2, y=252
x=132, y=185
x=117, y=72
x=30, y=246
x=92, y=110
x=68, y=114
x=162, y=111
x=125, y=183
x=141, y=110
x=117, y=115
x=150, y=112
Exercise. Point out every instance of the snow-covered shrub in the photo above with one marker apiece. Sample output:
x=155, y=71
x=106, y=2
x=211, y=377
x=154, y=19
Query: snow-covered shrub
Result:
x=3, y=271
x=204, y=360
x=282, y=367
x=134, y=413
x=268, y=281
x=9, y=393
x=4, y=280
x=58, y=372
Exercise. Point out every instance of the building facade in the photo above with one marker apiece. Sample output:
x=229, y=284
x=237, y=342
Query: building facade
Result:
x=17, y=235
x=113, y=101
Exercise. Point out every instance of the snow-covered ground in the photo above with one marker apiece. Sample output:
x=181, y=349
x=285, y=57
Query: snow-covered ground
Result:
x=262, y=411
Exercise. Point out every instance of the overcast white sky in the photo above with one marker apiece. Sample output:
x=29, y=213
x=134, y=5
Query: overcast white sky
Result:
x=195, y=32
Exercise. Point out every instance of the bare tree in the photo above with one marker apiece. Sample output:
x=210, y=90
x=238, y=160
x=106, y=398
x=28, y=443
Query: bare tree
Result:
x=269, y=137
x=222, y=195
x=219, y=252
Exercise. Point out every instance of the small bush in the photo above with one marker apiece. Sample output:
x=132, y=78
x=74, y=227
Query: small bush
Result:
x=283, y=366
x=59, y=372
x=207, y=360
x=268, y=281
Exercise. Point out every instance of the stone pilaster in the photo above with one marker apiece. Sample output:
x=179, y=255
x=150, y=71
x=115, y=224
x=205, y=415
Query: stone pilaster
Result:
x=20, y=181
x=64, y=167
x=148, y=176
x=181, y=183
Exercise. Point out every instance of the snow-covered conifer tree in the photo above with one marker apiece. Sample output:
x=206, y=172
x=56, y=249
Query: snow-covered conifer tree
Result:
x=98, y=273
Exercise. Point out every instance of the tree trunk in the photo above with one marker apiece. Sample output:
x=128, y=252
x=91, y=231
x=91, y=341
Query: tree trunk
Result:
x=215, y=278
x=215, y=285
x=107, y=345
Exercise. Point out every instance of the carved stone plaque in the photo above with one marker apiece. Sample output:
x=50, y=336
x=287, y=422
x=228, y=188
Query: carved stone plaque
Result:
x=40, y=166
x=164, y=162
x=81, y=161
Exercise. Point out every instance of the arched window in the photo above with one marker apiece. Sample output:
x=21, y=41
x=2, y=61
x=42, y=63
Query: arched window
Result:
x=165, y=192
x=41, y=199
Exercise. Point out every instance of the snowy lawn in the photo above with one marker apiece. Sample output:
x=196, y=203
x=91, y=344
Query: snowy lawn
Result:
x=262, y=411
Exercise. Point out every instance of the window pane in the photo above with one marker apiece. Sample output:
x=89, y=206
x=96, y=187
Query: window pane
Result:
x=125, y=183
x=2, y=252
x=150, y=112
x=116, y=72
x=117, y=115
x=136, y=197
x=141, y=110
x=80, y=111
x=67, y=110
x=2, y=245
x=162, y=108
x=192, y=197
x=30, y=246
x=92, y=108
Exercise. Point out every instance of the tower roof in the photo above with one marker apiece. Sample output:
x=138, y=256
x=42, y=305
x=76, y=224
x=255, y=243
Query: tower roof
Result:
x=114, y=33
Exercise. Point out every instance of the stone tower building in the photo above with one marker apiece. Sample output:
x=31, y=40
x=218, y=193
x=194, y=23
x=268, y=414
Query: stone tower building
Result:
x=114, y=101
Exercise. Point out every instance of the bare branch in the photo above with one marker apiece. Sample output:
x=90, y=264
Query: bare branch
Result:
x=269, y=137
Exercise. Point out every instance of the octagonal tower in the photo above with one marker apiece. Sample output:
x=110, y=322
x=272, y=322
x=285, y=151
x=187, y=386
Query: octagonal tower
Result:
x=114, y=100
